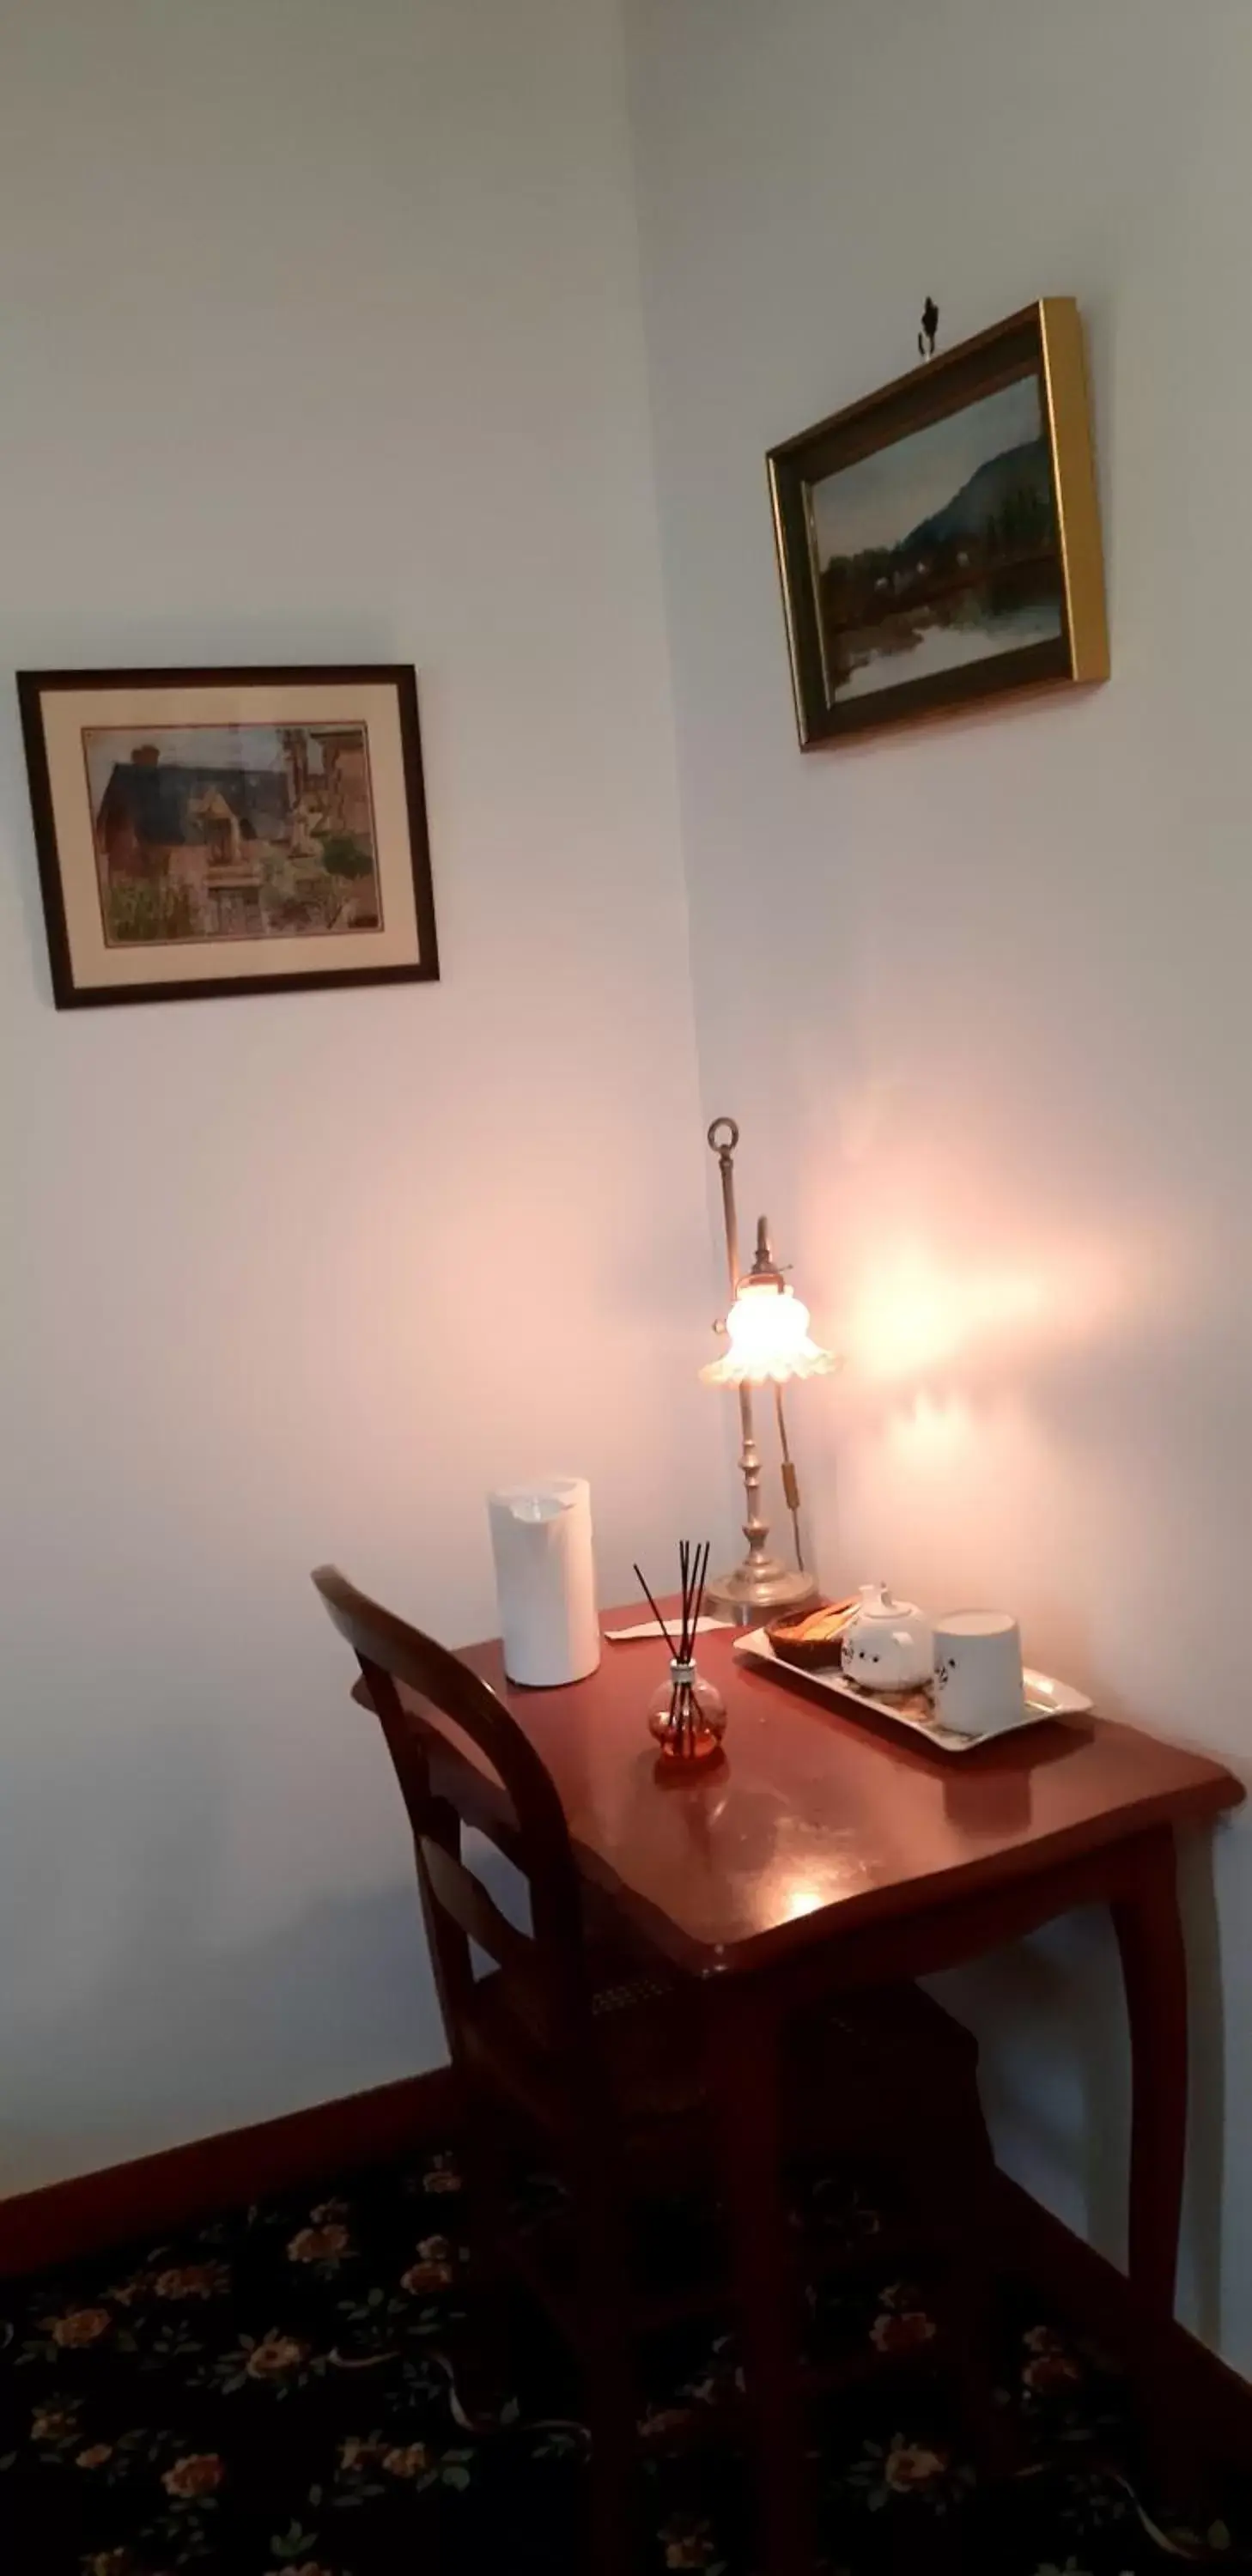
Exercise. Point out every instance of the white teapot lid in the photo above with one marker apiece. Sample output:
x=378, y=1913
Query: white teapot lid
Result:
x=876, y=1603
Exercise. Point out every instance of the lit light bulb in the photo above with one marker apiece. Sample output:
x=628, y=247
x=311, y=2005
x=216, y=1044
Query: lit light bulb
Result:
x=769, y=1334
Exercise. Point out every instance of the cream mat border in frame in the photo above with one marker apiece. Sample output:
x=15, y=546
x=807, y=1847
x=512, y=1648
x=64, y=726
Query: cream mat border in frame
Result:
x=65, y=714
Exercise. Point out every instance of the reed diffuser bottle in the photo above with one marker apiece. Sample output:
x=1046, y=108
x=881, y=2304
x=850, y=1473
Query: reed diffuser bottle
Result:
x=686, y=1713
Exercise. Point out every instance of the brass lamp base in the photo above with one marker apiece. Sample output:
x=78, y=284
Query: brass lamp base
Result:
x=759, y=1589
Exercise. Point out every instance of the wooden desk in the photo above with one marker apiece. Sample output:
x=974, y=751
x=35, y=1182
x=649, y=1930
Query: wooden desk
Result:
x=826, y=1852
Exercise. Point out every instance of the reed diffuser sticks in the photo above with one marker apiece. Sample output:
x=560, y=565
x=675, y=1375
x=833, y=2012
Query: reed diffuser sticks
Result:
x=640, y=1578
x=694, y=1567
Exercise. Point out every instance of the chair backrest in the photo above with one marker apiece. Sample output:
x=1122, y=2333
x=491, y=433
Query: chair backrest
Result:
x=543, y=1975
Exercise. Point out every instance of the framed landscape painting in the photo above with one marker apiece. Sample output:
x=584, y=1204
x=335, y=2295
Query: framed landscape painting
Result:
x=229, y=831
x=939, y=542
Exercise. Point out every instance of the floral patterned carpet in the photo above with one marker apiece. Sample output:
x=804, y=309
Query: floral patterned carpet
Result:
x=284, y=2393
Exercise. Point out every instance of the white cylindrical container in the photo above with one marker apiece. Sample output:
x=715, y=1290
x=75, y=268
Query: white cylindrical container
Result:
x=546, y=1581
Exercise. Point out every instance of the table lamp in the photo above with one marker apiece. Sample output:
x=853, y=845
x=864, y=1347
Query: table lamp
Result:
x=767, y=1329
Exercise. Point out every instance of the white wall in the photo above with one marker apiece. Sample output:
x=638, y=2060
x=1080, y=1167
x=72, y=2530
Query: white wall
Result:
x=321, y=342
x=986, y=986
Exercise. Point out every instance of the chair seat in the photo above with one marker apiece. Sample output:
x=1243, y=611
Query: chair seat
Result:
x=852, y=2063
x=884, y=2070
x=652, y=2054
x=904, y=2042
x=903, y=2020
x=856, y=2075
x=646, y=2038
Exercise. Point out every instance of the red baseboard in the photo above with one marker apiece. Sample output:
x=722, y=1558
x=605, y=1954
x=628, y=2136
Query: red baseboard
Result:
x=1092, y=2294
x=156, y=2194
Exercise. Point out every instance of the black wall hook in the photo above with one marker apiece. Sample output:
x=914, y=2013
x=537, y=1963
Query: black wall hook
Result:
x=930, y=325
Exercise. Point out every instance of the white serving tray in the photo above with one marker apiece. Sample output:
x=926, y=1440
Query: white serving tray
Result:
x=912, y=1710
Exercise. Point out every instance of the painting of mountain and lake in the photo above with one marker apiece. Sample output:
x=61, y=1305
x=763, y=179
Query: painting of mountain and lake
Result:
x=939, y=541
x=941, y=549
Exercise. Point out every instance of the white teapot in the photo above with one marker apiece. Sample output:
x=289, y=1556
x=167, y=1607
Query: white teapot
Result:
x=888, y=1645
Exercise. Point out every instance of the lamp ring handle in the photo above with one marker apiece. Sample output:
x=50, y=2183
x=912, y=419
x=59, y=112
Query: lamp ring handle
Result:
x=723, y=1135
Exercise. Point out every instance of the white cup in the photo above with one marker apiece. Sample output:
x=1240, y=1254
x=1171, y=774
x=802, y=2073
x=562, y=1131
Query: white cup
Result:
x=978, y=1671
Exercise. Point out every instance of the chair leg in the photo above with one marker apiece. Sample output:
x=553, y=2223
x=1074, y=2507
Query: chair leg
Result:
x=485, y=2158
x=608, y=2368
x=613, y=2500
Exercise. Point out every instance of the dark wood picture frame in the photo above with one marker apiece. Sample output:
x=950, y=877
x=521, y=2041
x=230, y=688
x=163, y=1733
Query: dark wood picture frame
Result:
x=855, y=616
x=409, y=870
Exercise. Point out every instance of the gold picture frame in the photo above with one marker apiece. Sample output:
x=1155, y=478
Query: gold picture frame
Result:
x=939, y=541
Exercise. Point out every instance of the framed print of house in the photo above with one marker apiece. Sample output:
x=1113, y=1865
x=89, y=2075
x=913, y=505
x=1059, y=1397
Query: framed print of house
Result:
x=228, y=831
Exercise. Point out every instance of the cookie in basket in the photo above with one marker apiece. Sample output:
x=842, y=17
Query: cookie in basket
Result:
x=815, y=1640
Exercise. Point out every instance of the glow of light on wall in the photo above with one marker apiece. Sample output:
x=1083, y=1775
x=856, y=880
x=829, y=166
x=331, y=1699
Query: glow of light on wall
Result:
x=936, y=1428
x=911, y=1315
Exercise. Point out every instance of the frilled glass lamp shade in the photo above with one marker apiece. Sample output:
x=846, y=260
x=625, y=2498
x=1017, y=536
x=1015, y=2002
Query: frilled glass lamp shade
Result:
x=769, y=1334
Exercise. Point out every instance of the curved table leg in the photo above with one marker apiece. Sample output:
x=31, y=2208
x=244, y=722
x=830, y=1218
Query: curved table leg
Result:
x=1154, y=1970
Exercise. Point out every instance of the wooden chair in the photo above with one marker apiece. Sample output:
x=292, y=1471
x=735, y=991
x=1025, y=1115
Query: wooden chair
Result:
x=601, y=2053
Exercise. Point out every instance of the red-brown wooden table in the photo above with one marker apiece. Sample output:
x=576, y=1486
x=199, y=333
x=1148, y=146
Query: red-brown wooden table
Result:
x=827, y=1852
